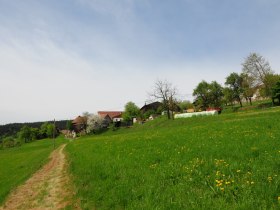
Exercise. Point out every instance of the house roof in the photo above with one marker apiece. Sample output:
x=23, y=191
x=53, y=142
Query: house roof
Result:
x=153, y=106
x=79, y=120
x=111, y=114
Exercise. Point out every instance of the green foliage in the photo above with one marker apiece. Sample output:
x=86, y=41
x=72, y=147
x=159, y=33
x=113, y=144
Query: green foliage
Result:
x=130, y=111
x=234, y=82
x=184, y=105
x=247, y=86
x=9, y=142
x=228, y=96
x=270, y=81
x=51, y=131
x=148, y=113
x=229, y=161
x=208, y=94
x=43, y=130
x=26, y=134
x=276, y=92
x=13, y=128
x=69, y=125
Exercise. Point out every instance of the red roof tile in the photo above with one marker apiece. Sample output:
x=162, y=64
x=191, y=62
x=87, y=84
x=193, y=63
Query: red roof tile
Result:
x=111, y=114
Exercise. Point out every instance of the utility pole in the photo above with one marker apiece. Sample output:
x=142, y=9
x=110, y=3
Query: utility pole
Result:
x=54, y=133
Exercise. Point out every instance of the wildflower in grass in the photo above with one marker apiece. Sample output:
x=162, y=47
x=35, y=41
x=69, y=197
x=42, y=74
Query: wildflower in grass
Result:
x=252, y=182
x=153, y=165
x=222, y=189
x=227, y=183
x=269, y=178
x=278, y=198
x=238, y=171
x=219, y=183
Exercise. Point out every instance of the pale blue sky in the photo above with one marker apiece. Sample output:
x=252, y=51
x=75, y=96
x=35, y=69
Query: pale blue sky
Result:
x=60, y=58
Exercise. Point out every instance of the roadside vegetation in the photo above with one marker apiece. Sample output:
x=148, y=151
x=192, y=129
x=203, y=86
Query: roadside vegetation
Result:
x=229, y=161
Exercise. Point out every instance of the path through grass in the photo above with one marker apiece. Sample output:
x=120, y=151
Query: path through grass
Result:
x=18, y=164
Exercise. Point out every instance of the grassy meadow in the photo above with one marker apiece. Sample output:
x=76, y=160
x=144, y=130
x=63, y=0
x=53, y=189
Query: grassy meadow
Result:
x=230, y=161
x=19, y=163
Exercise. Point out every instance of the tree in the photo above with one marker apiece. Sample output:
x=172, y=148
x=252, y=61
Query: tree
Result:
x=234, y=82
x=51, y=131
x=164, y=91
x=43, y=130
x=130, y=111
x=247, y=86
x=271, y=81
x=94, y=123
x=25, y=134
x=184, y=105
x=34, y=134
x=208, y=94
x=202, y=95
x=216, y=91
x=85, y=116
x=69, y=125
x=228, y=96
x=258, y=68
x=276, y=92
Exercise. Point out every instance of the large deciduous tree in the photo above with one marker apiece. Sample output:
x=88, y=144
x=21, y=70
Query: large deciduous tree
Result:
x=130, y=111
x=166, y=92
x=234, y=82
x=228, y=96
x=25, y=134
x=95, y=123
x=258, y=68
x=208, y=94
x=247, y=86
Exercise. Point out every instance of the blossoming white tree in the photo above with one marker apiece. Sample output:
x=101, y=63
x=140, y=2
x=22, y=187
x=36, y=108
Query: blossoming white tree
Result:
x=94, y=123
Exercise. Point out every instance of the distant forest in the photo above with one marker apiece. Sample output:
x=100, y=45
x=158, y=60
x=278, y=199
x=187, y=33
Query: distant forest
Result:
x=13, y=128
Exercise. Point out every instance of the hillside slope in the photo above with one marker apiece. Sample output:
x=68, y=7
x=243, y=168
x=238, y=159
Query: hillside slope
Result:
x=229, y=161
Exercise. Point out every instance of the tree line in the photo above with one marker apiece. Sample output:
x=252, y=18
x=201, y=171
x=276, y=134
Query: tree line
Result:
x=256, y=77
x=26, y=133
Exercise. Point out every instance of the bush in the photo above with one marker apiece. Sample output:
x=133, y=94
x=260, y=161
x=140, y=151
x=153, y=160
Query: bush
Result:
x=9, y=142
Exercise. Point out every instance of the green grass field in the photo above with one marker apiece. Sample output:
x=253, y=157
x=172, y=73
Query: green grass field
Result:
x=19, y=163
x=230, y=161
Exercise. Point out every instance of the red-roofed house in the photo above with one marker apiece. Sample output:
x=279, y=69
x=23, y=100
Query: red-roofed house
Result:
x=111, y=116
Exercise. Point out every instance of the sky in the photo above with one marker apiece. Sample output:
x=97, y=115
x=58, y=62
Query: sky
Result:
x=59, y=59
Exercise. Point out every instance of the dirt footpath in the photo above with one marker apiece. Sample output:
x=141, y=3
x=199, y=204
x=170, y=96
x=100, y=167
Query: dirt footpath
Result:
x=48, y=188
